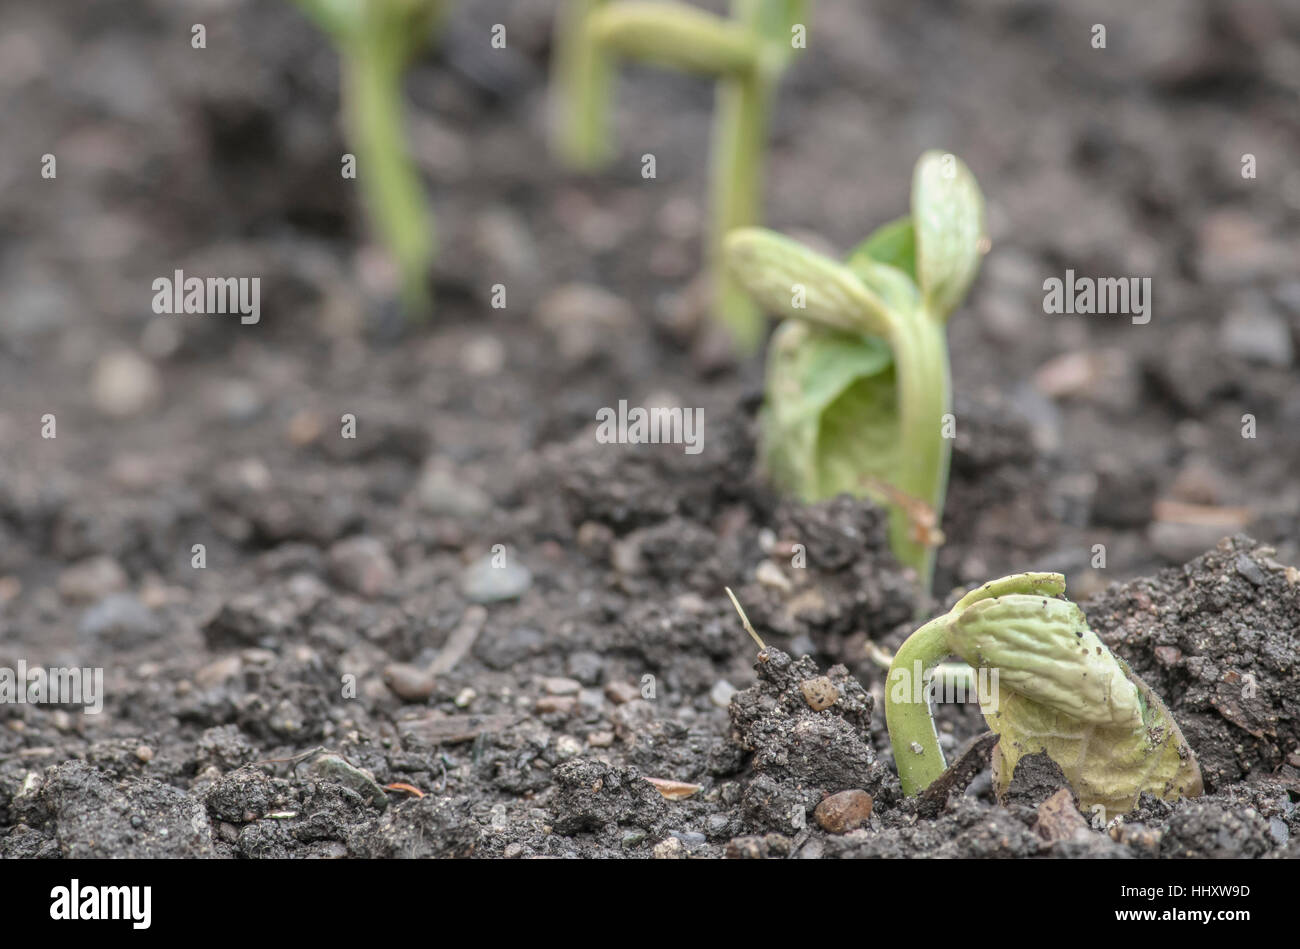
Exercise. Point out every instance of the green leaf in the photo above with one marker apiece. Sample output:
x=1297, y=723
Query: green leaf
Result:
x=886, y=263
x=676, y=36
x=831, y=415
x=776, y=271
x=948, y=214
x=892, y=244
x=859, y=438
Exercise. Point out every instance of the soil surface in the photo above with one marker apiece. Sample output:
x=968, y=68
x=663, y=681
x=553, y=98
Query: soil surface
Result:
x=473, y=630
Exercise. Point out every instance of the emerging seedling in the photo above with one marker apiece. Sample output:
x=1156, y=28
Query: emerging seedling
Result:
x=858, y=395
x=746, y=53
x=582, y=80
x=1056, y=689
x=376, y=40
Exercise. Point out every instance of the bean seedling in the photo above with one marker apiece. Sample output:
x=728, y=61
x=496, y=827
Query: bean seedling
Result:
x=582, y=79
x=746, y=53
x=1056, y=689
x=376, y=41
x=857, y=395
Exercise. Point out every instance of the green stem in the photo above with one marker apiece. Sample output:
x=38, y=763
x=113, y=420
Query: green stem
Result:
x=740, y=136
x=372, y=96
x=584, y=77
x=912, y=734
x=924, y=397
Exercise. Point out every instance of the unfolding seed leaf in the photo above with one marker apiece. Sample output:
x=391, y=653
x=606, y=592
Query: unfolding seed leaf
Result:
x=774, y=269
x=1060, y=690
x=1030, y=584
x=891, y=285
x=948, y=214
x=1044, y=650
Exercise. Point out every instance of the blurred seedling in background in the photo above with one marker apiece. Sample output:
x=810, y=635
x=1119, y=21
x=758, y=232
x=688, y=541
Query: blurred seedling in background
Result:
x=746, y=53
x=582, y=87
x=376, y=41
x=1058, y=690
x=858, y=396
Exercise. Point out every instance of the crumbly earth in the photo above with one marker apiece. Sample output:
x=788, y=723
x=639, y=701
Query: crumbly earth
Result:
x=549, y=751
x=271, y=694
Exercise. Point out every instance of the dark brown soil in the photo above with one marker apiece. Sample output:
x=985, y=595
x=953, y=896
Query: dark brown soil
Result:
x=246, y=701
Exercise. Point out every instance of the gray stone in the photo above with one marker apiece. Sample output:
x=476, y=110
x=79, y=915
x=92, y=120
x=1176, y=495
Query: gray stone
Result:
x=483, y=582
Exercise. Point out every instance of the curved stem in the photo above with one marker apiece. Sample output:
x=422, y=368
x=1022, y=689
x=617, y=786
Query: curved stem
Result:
x=581, y=90
x=912, y=734
x=924, y=397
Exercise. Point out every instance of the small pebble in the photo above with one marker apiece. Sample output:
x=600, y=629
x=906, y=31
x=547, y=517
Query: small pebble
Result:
x=820, y=693
x=335, y=770
x=1257, y=333
x=483, y=356
x=1278, y=830
x=669, y=849
x=218, y=671
x=1059, y=819
x=770, y=575
x=633, y=838
x=1251, y=570
x=586, y=667
x=559, y=685
x=845, y=811
x=721, y=693
x=442, y=490
x=1168, y=655
x=92, y=579
x=594, y=538
x=124, y=384
x=408, y=682
x=120, y=620
x=362, y=565
x=620, y=692
x=566, y=746
x=556, y=704
x=690, y=839
x=483, y=582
